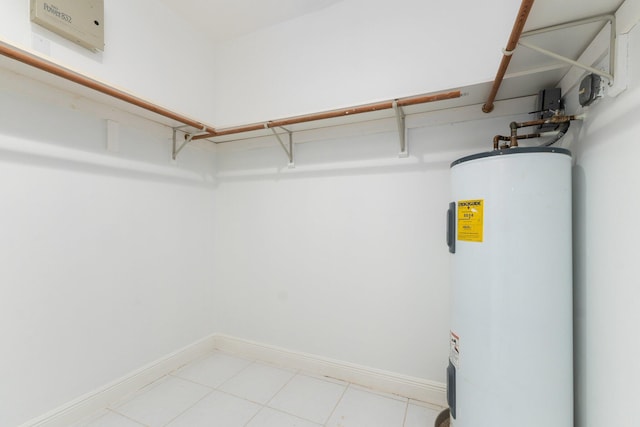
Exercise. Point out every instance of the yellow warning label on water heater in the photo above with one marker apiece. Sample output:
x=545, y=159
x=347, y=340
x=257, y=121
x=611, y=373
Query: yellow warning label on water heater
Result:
x=470, y=220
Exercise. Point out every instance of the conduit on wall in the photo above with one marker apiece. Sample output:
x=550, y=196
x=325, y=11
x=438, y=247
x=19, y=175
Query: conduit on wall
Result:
x=207, y=131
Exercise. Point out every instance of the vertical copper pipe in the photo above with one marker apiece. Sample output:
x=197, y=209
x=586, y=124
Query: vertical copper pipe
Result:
x=514, y=135
x=518, y=26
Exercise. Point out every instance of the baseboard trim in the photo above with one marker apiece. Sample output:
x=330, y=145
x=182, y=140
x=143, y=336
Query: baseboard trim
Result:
x=96, y=400
x=376, y=379
x=389, y=382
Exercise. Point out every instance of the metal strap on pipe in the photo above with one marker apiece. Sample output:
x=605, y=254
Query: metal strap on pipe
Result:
x=516, y=32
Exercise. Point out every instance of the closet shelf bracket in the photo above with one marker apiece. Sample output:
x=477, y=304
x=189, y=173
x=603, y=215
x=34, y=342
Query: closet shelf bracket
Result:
x=188, y=137
x=402, y=129
x=176, y=148
x=611, y=19
x=289, y=150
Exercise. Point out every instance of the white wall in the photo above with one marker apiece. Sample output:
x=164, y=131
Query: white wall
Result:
x=352, y=52
x=355, y=52
x=606, y=292
x=149, y=50
x=106, y=256
x=112, y=259
x=345, y=255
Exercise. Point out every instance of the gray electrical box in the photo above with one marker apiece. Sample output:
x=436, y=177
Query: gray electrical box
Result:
x=591, y=88
x=81, y=21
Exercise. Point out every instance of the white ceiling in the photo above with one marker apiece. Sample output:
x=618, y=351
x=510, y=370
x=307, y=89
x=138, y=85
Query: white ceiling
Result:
x=227, y=19
x=528, y=72
x=552, y=12
x=222, y=20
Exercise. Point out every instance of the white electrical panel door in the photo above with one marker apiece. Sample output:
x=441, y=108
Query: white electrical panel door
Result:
x=81, y=21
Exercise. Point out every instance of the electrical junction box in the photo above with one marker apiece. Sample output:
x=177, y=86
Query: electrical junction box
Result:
x=591, y=88
x=549, y=104
x=81, y=21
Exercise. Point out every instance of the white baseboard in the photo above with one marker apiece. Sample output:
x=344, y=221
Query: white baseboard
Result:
x=389, y=382
x=96, y=400
x=376, y=379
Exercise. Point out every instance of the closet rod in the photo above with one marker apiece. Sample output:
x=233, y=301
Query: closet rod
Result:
x=384, y=105
x=52, y=68
x=208, y=131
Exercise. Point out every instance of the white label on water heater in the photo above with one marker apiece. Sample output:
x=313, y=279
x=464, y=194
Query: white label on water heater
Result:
x=454, y=349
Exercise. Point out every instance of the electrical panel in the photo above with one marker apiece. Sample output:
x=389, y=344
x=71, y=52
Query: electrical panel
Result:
x=81, y=21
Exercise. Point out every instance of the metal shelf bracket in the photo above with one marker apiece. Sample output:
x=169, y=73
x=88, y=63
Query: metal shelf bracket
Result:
x=188, y=137
x=288, y=151
x=178, y=148
x=400, y=119
x=612, y=45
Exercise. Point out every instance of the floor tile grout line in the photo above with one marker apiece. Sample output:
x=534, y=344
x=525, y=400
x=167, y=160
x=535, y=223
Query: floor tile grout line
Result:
x=126, y=416
x=264, y=405
x=194, y=404
x=251, y=362
x=293, y=415
x=212, y=388
x=302, y=374
x=196, y=360
x=337, y=403
x=286, y=413
x=425, y=404
x=294, y=374
x=281, y=388
x=260, y=406
x=139, y=392
x=254, y=415
x=235, y=375
x=386, y=395
x=228, y=393
x=174, y=374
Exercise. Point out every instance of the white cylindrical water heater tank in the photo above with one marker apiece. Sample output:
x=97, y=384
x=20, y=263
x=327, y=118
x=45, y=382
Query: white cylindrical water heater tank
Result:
x=511, y=349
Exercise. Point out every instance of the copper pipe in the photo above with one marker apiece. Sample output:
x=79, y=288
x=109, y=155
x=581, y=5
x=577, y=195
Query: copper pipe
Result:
x=50, y=67
x=557, y=119
x=498, y=138
x=385, y=105
x=518, y=26
x=514, y=126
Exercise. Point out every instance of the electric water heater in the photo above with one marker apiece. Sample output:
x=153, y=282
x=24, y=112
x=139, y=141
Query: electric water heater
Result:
x=509, y=232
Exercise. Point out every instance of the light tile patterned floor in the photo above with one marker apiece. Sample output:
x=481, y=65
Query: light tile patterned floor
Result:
x=227, y=391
